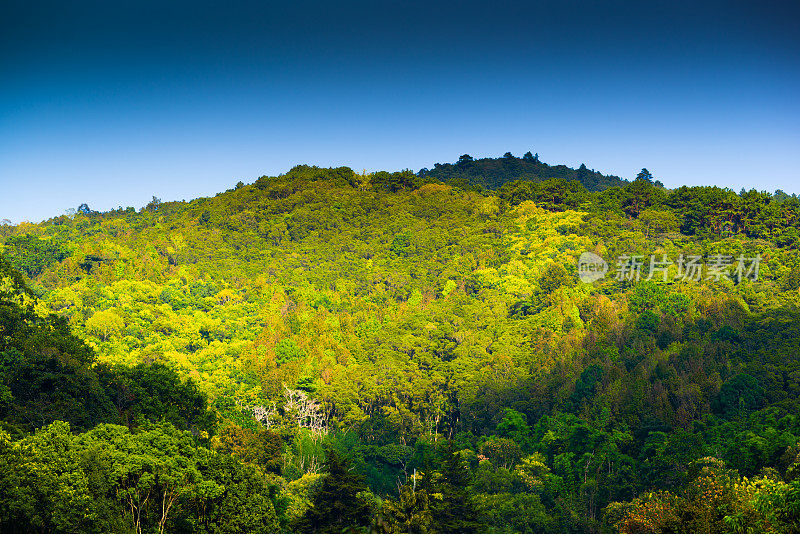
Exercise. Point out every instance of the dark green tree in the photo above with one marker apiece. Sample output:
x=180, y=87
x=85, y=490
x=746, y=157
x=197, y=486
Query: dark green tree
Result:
x=32, y=255
x=640, y=194
x=455, y=512
x=739, y=394
x=153, y=392
x=337, y=506
x=645, y=175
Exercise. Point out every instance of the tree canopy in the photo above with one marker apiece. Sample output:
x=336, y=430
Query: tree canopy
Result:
x=328, y=350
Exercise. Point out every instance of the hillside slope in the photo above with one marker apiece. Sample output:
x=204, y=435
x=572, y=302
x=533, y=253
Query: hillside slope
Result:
x=421, y=318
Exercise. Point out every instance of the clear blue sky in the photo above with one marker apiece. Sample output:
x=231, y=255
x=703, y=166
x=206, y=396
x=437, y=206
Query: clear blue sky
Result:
x=110, y=103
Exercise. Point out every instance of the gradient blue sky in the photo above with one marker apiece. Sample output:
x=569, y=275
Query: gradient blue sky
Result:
x=110, y=103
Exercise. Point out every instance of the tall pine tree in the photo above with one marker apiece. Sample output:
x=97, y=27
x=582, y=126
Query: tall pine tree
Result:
x=455, y=511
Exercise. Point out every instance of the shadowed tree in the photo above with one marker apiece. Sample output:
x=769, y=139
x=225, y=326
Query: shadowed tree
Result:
x=455, y=511
x=336, y=507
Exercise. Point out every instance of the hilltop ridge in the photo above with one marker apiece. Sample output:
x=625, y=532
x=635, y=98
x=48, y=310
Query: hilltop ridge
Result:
x=493, y=173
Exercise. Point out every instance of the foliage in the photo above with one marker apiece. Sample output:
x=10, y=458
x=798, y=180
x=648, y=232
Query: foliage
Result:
x=493, y=173
x=431, y=332
x=338, y=505
x=32, y=255
x=112, y=480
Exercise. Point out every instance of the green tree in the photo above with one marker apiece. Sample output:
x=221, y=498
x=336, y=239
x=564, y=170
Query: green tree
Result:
x=513, y=425
x=105, y=324
x=32, y=255
x=337, y=506
x=235, y=499
x=52, y=493
x=640, y=195
x=411, y=513
x=644, y=175
x=153, y=392
x=454, y=512
x=154, y=469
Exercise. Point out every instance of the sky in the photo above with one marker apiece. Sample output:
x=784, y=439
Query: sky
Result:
x=112, y=103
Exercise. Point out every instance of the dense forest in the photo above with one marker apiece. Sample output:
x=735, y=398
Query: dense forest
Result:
x=493, y=173
x=326, y=351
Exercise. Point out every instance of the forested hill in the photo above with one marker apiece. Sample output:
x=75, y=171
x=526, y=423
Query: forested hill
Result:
x=493, y=173
x=326, y=350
